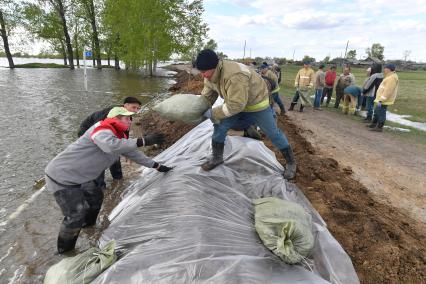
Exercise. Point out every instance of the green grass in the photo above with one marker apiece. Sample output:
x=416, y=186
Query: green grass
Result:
x=411, y=97
x=40, y=65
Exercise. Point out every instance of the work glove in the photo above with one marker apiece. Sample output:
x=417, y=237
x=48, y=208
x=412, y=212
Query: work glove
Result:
x=150, y=139
x=379, y=104
x=161, y=168
x=208, y=113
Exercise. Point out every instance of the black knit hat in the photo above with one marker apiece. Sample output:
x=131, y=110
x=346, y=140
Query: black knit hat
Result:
x=131, y=100
x=207, y=59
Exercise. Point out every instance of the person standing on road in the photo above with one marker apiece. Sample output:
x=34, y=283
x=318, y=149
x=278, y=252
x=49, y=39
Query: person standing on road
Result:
x=319, y=86
x=303, y=83
x=131, y=104
x=370, y=87
x=265, y=72
x=385, y=96
x=330, y=77
x=346, y=79
x=245, y=95
x=71, y=176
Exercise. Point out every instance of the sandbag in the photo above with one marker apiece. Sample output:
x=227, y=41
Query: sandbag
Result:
x=82, y=268
x=184, y=107
x=284, y=227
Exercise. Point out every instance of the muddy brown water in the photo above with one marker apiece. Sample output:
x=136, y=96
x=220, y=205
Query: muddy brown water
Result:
x=40, y=111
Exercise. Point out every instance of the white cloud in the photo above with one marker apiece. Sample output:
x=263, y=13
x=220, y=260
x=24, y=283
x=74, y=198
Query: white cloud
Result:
x=321, y=28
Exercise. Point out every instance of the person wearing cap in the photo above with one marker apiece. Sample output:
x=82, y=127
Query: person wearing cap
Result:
x=303, y=83
x=319, y=86
x=346, y=79
x=71, y=175
x=266, y=73
x=385, y=96
x=330, y=77
x=245, y=95
x=131, y=104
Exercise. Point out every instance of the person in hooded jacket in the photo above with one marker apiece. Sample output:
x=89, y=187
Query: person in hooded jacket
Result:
x=370, y=87
x=71, y=176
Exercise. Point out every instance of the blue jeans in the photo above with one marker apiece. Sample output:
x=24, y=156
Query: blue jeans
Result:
x=263, y=119
x=243, y=123
x=369, y=106
x=317, y=100
x=380, y=114
x=277, y=99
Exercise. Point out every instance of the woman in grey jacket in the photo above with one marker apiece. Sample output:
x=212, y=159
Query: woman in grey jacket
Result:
x=71, y=175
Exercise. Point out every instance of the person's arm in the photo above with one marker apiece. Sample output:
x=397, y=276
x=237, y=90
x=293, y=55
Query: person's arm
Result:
x=311, y=79
x=236, y=89
x=208, y=92
x=368, y=85
x=322, y=79
x=109, y=143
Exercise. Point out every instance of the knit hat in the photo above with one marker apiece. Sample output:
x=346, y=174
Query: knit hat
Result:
x=207, y=59
x=390, y=66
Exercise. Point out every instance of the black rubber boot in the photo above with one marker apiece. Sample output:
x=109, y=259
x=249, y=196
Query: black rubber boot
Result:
x=367, y=119
x=217, y=157
x=291, y=166
x=379, y=127
x=251, y=132
x=301, y=108
x=67, y=239
x=292, y=106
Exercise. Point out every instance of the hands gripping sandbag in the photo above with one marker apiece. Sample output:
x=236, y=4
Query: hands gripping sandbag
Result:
x=284, y=227
x=184, y=107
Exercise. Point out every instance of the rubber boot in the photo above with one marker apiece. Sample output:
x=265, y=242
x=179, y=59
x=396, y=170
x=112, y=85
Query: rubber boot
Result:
x=379, y=127
x=67, y=239
x=367, y=119
x=251, y=132
x=291, y=166
x=292, y=106
x=217, y=157
x=301, y=108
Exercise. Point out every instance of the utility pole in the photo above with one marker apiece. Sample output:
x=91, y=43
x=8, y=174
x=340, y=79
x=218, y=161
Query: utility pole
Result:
x=250, y=53
x=244, y=55
x=346, y=50
x=294, y=51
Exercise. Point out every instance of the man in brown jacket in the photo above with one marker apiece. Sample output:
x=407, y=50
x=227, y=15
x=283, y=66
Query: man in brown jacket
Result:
x=245, y=96
x=303, y=83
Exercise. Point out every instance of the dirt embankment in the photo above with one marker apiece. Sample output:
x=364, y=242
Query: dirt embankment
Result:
x=385, y=245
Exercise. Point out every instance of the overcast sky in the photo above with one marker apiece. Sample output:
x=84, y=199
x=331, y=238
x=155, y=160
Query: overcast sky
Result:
x=317, y=28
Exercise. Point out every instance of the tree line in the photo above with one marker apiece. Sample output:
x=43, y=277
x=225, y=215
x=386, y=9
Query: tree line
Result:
x=137, y=32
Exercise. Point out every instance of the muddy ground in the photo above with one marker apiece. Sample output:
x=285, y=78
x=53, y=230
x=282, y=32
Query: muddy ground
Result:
x=385, y=244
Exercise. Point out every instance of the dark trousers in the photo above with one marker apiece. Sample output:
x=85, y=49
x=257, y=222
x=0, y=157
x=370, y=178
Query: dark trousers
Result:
x=328, y=92
x=339, y=96
x=116, y=173
x=80, y=207
x=380, y=115
x=264, y=119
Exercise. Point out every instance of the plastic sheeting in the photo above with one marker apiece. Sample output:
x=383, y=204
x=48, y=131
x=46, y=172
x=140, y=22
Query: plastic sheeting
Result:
x=191, y=226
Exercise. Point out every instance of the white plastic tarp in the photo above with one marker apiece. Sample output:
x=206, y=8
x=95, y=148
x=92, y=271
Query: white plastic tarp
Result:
x=192, y=226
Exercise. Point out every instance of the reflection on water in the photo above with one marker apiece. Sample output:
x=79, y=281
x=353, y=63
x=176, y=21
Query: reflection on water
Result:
x=40, y=111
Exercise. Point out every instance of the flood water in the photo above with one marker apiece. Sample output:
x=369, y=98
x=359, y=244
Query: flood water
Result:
x=40, y=111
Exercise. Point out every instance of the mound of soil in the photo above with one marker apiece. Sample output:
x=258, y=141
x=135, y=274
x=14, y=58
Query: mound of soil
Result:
x=385, y=245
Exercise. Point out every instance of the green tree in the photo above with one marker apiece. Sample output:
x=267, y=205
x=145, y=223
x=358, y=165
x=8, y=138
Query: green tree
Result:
x=351, y=54
x=308, y=58
x=152, y=30
x=9, y=18
x=376, y=50
x=89, y=13
x=45, y=24
x=211, y=44
x=326, y=60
